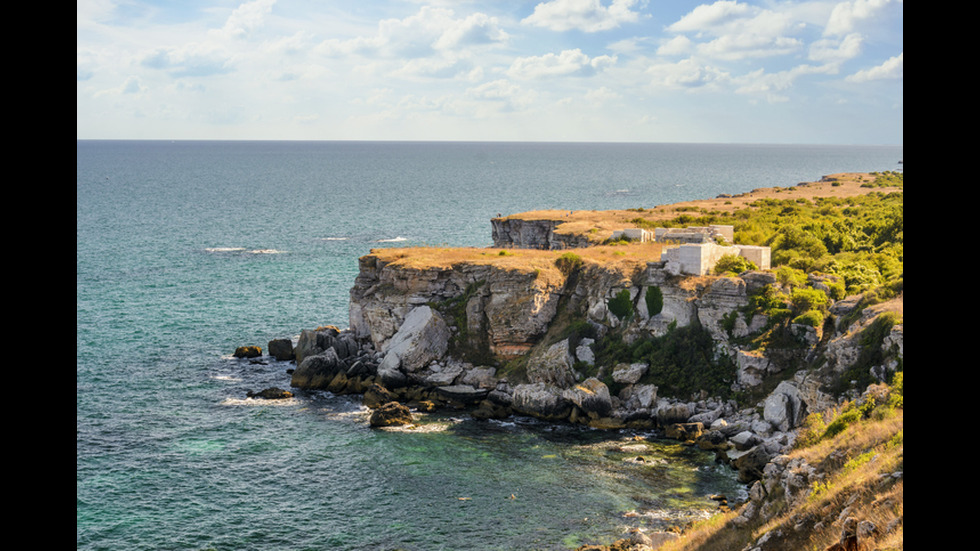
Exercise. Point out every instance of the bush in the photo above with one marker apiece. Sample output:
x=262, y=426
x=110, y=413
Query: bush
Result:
x=808, y=299
x=569, y=262
x=734, y=264
x=812, y=318
x=655, y=300
x=621, y=305
x=791, y=277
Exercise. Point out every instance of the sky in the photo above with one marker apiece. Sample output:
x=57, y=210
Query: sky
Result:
x=726, y=71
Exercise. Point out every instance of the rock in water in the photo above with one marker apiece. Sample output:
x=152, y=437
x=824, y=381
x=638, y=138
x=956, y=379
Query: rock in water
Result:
x=271, y=393
x=248, y=351
x=391, y=414
x=281, y=349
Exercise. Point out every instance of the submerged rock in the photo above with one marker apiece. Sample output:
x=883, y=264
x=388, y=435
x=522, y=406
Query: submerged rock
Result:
x=271, y=393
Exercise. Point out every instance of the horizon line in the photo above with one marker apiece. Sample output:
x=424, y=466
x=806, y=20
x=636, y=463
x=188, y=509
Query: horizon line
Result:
x=485, y=141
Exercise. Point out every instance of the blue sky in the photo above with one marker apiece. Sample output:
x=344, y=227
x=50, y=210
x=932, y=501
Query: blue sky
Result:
x=728, y=71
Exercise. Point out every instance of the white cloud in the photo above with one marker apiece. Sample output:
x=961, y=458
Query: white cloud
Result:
x=893, y=68
x=584, y=15
x=567, y=63
x=429, y=31
x=770, y=86
x=685, y=74
x=602, y=95
x=739, y=31
x=678, y=45
x=708, y=17
x=836, y=50
x=504, y=94
x=246, y=18
x=846, y=16
x=745, y=45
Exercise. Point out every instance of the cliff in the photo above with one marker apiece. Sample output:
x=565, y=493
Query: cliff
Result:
x=552, y=324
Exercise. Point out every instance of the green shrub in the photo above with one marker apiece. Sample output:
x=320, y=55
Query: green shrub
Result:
x=621, y=305
x=655, y=300
x=813, y=318
x=791, y=277
x=569, y=262
x=808, y=299
x=733, y=264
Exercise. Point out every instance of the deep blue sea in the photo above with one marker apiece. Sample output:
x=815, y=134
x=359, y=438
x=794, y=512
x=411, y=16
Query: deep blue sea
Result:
x=186, y=250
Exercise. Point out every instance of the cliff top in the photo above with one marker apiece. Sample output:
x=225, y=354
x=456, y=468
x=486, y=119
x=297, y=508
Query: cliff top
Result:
x=599, y=225
x=624, y=257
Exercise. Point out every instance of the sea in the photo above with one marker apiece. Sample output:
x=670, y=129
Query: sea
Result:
x=186, y=250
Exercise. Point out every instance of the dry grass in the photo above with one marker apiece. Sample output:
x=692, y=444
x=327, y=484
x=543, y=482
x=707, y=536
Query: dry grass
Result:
x=541, y=262
x=857, y=465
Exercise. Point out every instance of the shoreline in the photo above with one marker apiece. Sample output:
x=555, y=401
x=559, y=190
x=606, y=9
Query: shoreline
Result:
x=416, y=312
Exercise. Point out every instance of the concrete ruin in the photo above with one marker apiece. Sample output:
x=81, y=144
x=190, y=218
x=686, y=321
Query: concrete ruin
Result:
x=701, y=258
x=698, y=248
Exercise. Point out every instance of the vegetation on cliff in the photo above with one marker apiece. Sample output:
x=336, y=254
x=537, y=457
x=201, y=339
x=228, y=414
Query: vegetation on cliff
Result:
x=852, y=498
x=838, y=274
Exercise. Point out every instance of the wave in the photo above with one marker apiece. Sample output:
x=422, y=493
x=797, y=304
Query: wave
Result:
x=241, y=250
x=392, y=240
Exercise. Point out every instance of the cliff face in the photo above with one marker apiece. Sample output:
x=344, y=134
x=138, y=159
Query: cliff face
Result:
x=504, y=309
x=496, y=312
x=507, y=309
x=533, y=234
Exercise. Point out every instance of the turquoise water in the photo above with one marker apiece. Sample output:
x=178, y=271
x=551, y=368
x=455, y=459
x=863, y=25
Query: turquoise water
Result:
x=187, y=250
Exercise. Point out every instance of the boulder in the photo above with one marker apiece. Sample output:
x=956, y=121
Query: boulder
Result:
x=553, y=366
x=481, y=377
x=443, y=376
x=684, y=431
x=422, y=338
x=750, y=465
x=640, y=397
x=784, y=409
x=584, y=353
x=466, y=394
x=248, y=351
x=669, y=413
x=281, y=349
x=629, y=374
x=541, y=401
x=591, y=396
x=390, y=415
x=376, y=396
x=321, y=339
x=316, y=372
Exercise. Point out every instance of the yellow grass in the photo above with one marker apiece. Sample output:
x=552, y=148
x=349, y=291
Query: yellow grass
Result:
x=611, y=257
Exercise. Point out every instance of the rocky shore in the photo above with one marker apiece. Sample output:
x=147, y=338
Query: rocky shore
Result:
x=521, y=331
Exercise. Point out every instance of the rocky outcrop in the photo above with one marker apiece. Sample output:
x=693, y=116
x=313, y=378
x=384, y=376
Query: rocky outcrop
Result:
x=441, y=334
x=520, y=233
x=504, y=311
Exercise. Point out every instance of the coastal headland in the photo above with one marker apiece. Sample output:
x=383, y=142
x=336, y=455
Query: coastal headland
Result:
x=763, y=326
